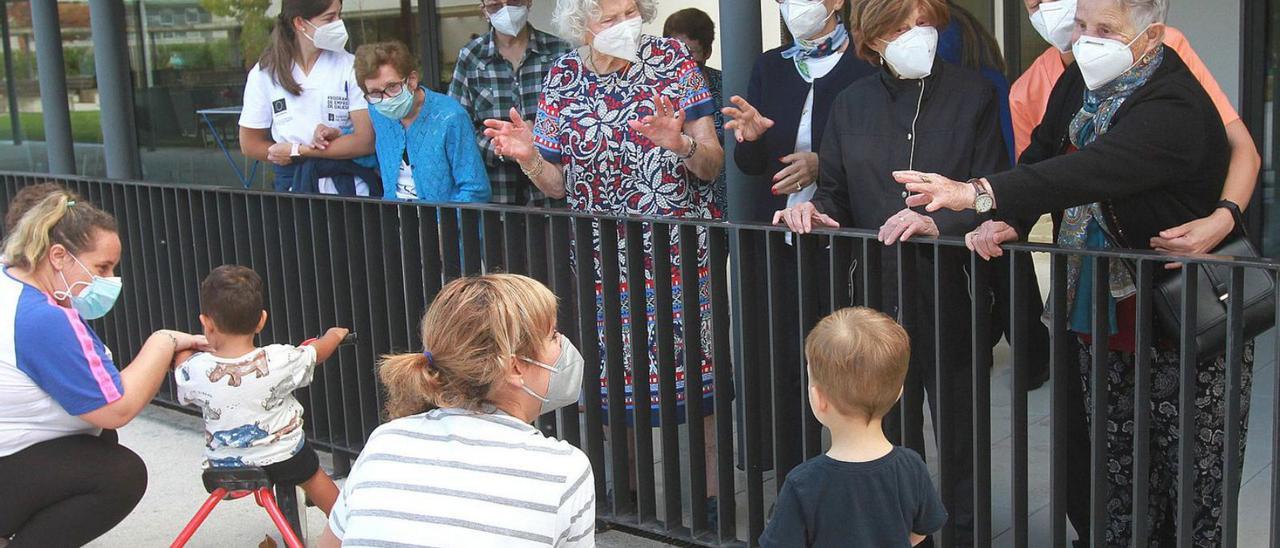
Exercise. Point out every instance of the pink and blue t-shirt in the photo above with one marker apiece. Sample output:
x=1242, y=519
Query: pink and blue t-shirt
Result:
x=53, y=367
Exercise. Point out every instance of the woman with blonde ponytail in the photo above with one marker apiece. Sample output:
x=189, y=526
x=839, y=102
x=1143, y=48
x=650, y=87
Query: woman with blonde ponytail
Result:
x=65, y=479
x=460, y=460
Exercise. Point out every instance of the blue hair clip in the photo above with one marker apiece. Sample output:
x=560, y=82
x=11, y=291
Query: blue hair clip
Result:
x=431, y=361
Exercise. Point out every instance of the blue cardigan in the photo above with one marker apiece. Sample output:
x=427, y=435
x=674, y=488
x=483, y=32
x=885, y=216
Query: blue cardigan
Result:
x=447, y=167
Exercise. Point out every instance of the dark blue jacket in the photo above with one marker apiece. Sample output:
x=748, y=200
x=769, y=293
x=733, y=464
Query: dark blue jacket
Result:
x=778, y=91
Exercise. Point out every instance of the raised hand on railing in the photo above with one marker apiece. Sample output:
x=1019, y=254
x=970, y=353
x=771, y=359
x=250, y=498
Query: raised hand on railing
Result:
x=986, y=239
x=905, y=224
x=328, y=343
x=512, y=139
x=803, y=217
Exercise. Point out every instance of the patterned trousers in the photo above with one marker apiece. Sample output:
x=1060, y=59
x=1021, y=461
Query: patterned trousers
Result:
x=1210, y=410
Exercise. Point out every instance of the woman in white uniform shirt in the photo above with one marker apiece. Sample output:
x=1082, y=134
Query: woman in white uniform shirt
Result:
x=302, y=100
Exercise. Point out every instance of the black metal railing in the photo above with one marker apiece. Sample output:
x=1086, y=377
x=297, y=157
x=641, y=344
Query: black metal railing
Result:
x=374, y=267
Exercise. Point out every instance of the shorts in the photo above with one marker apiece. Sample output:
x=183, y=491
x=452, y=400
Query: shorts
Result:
x=296, y=469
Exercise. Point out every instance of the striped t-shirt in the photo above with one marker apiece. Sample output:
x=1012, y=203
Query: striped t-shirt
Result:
x=451, y=477
x=53, y=367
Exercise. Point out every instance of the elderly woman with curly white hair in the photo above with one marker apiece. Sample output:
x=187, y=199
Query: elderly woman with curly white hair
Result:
x=625, y=127
x=1130, y=145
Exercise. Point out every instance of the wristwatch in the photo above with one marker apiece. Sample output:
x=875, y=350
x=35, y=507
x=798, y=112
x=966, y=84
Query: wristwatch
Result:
x=293, y=151
x=982, y=200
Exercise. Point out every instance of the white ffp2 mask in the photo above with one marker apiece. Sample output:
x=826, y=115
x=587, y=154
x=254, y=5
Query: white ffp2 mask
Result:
x=622, y=40
x=911, y=55
x=1056, y=21
x=1102, y=60
x=805, y=18
x=510, y=20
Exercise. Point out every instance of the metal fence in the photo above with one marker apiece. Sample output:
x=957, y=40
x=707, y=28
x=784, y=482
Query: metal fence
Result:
x=374, y=267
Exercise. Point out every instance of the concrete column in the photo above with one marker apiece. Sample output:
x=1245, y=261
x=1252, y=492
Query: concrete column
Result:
x=740, y=45
x=115, y=89
x=10, y=84
x=53, y=87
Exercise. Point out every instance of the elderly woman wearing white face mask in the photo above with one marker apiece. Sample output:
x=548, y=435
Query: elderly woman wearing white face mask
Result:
x=1146, y=151
x=625, y=127
x=915, y=111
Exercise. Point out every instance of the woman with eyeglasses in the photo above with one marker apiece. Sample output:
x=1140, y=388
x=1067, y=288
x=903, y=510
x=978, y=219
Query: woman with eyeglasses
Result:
x=425, y=144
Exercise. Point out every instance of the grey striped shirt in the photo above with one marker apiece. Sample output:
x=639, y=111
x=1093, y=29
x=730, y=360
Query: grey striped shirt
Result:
x=451, y=477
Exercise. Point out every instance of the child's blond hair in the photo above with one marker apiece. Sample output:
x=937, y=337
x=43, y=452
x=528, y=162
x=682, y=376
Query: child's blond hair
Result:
x=858, y=359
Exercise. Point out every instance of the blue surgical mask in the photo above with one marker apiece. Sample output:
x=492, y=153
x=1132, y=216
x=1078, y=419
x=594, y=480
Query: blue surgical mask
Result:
x=396, y=107
x=96, y=299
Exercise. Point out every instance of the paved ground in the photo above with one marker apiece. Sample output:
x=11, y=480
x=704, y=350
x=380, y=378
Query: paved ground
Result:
x=171, y=442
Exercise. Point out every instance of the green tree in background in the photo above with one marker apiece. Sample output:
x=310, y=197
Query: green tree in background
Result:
x=255, y=26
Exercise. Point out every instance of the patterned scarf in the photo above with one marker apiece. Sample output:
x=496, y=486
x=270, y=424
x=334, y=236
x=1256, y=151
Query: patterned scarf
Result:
x=802, y=50
x=1093, y=121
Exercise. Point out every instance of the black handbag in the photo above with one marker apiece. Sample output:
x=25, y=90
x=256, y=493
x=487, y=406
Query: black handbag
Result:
x=1212, y=293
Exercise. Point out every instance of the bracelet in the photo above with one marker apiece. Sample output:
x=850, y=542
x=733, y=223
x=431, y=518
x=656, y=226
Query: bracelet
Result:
x=693, y=148
x=536, y=171
x=1233, y=208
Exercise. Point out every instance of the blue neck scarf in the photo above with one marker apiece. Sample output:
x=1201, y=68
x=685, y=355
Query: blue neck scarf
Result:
x=1084, y=227
x=802, y=50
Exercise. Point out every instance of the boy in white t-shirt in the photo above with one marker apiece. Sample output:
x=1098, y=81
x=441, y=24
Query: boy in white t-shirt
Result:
x=246, y=392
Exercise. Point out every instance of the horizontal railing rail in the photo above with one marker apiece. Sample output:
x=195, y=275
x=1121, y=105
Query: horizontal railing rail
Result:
x=734, y=418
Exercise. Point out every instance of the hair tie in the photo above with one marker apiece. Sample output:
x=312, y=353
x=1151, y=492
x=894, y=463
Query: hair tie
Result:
x=431, y=361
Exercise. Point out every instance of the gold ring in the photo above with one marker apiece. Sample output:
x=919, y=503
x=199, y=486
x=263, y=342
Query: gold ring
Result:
x=799, y=186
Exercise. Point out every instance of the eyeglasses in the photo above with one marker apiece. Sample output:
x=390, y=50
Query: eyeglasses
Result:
x=393, y=89
x=492, y=7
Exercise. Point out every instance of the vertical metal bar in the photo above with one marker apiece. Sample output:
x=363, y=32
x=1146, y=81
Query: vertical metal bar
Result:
x=690, y=290
x=808, y=301
x=941, y=396
x=640, y=394
x=615, y=374
x=664, y=328
x=369, y=303
x=1235, y=389
x=1142, y=404
x=751, y=329
x=431, y=234
x=1100, y=395
x=1275, y=419
x=980, y=317
x=722, y=360
x=562, y=284
x=515, y=233
x=841, y=269
x=1187, y=411
x=871, y=267
x=1019, y=341
x=584, y=263
x=494, y=242
x=782, y=403
x=469, y=225
x=53, y=88
x=450, y=243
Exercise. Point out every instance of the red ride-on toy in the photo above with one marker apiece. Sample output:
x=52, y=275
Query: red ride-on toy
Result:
x=239, y=482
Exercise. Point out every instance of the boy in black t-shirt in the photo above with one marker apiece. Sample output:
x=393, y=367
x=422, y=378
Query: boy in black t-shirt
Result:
x=864, y=491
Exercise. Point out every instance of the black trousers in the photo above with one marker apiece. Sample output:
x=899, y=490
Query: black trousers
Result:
x=68, y=491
